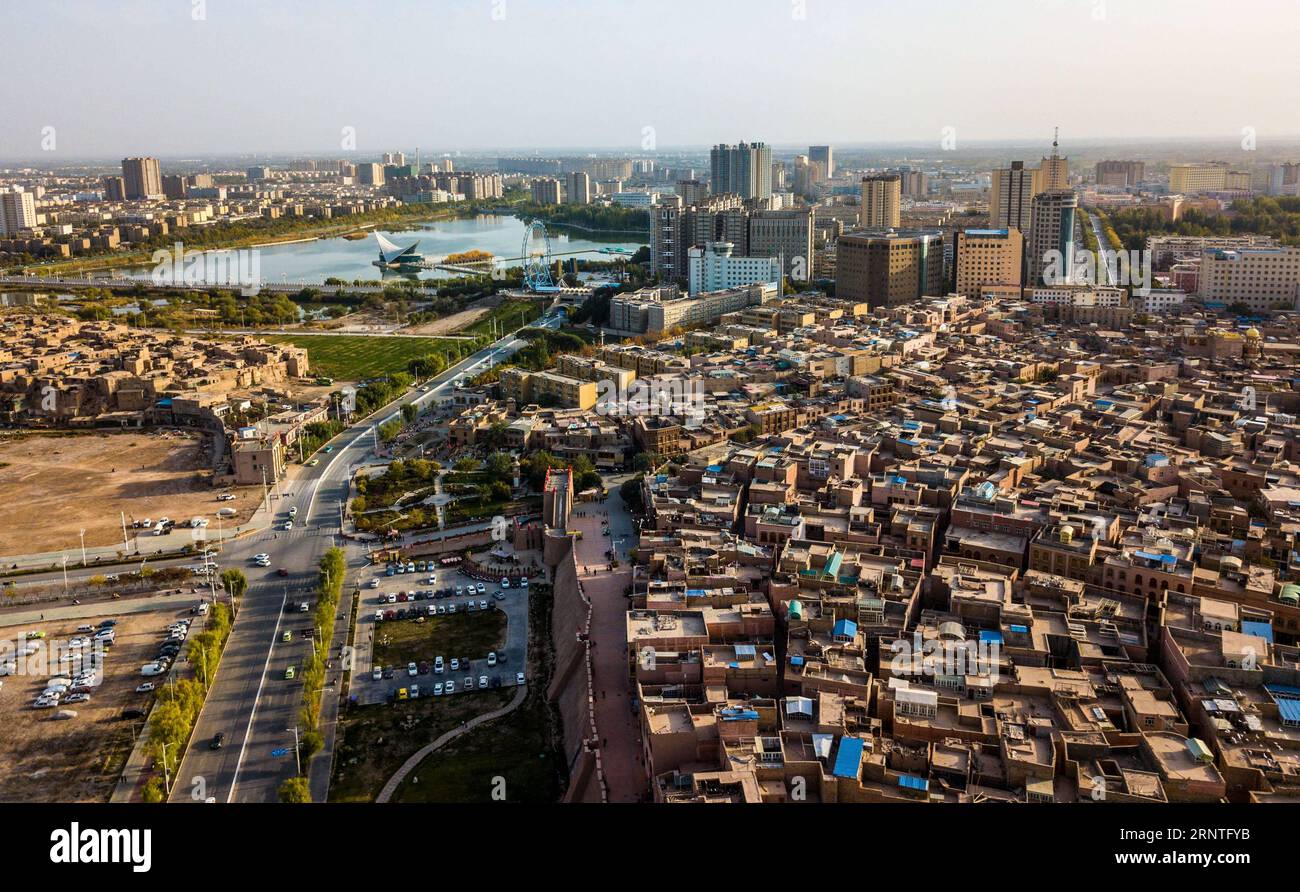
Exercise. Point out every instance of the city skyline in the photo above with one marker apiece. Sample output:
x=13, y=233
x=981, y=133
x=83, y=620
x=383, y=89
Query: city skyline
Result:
x=828, y=81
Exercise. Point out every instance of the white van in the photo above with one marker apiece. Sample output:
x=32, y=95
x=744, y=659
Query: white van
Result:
x=151, y=669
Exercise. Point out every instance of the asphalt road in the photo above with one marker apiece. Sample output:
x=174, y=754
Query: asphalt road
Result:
x=251, y=702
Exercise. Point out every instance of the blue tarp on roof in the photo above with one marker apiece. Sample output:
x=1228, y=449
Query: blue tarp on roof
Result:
x=992, y=637
x=746, y=650
x=714, y=469
x=849, y=759
x=1162, y=558
x=1259, y=630
x=912, y=782
x=735, y=714
x=1290, y=710
x=1019, y=629
x=846, y=628
x=1285, y=689
x=796, y=660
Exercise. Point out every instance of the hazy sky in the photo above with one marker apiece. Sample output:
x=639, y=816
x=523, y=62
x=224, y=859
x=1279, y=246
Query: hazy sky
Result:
x=118, y=77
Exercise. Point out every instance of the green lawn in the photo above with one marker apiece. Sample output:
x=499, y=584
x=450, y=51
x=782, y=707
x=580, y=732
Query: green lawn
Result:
x=515, y=748
x=355, y=357
x=509, y=315
x=374, y=741
x=456, y=635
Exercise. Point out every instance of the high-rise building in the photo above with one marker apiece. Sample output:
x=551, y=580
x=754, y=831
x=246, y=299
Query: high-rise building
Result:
x=114, y=189
x=825, y=156
x=370, y=174
x=1011, y=197
x=143, y=178
x=888, y=268
x=17, y=212
x=1051, y=237
x=743, y=169
x=1284, y=179
x=915, y=183
x=985, y=257
x=881, y=206
x=692, y=191
x=578, y=188
x=174, y=187
x=1120, y=173
x=783, y=234
x=398, y=158
x=546, y=190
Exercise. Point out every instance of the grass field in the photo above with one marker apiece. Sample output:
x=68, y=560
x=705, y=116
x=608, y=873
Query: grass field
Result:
x=509, y=315
x=374, y=741
x=458, y=635
x=512, y=756
x=356, y=357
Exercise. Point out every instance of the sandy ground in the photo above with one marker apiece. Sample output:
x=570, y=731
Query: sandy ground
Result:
x=456, y=321
x=59, y=485
x=43, y=759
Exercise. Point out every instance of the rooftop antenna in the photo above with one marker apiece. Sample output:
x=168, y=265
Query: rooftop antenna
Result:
x=1056, y=137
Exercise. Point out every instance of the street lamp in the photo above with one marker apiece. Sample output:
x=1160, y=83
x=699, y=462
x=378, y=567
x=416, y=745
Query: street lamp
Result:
x=167, y=777
x=297, y=754
x=83, y=548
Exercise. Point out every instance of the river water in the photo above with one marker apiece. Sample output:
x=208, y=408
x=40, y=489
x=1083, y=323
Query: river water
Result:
x=348, y=259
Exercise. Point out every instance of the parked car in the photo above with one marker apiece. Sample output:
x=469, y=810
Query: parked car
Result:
x=492, y=658
x=455, y=664
x=218, y=741
x=437, y=689
x=449, y=687
x=377, y=674
x=412, y=669
x=290, y=672
x=145, y=687
x=482, y=681
x=519, y=678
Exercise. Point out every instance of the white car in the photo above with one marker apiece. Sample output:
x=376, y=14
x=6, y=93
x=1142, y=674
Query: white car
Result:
x=482, y=681
x=44, y=702
x=437, y=665
x=519, y=678
x=414, y=670
x=481, y=590
x=455, y=663
x=374, y=583
x=523, y=582
x=288, y=525
x=378, y=674
x=145, y=687
x=450, y=687
x=437, y=689
x=492, y=658
x=79, y=643
x=505, y=583
x=261, y=557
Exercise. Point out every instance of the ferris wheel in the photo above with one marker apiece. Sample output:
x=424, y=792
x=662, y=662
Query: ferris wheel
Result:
x=536, y=255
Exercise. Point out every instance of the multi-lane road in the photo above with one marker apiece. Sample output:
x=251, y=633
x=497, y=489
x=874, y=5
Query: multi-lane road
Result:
x=251, y=702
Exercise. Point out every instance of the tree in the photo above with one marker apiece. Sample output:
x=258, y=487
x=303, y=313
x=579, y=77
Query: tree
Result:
x=499, y=465
x=153, y=790
x=295, y=790
x=234, y=582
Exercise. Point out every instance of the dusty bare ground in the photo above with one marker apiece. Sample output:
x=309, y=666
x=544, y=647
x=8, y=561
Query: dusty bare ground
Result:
x=60, y=484
x=44, y=759
x=456, y=321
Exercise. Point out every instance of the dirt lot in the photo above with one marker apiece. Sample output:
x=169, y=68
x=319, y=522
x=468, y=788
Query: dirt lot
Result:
x=44, y=759
x=82, y=481
x=456, y=321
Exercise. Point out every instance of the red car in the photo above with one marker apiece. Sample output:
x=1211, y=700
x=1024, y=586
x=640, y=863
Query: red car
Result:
x=282, y=572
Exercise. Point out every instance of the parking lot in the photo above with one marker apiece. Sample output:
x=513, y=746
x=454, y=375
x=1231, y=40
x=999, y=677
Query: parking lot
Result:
x=449, y=612
x=74, y=751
